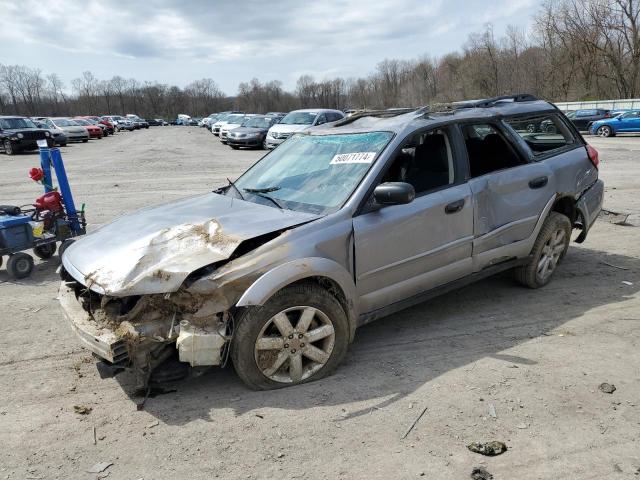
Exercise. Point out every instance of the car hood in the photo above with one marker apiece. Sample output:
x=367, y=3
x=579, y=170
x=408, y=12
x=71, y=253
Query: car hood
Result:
x=73, y=129
x=230, y=126
x=280, y=128
x=154, y=249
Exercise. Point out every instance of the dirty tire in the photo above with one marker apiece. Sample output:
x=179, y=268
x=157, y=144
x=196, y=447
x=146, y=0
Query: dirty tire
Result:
x=45, y=251
x=20, y=265
x=64, y=245
x=530, y=275
x=252, y=321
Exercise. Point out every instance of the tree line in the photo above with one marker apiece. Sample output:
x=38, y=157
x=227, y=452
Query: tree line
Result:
x=576, y=50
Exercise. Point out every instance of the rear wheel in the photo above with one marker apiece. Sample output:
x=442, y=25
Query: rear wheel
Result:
x=20, y=265
x=548, y=250
x=85, y=140
x=45, y=251
x=299, y=335
x=604, y=131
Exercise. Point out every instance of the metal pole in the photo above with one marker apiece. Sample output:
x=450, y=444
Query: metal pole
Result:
x=45, y=164
x=65, y=189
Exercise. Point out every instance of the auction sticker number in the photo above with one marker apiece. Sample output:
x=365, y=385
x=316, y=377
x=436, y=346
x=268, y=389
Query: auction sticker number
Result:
x=357, y=157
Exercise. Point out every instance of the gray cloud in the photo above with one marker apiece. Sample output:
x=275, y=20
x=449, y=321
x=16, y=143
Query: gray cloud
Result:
x=239, y=40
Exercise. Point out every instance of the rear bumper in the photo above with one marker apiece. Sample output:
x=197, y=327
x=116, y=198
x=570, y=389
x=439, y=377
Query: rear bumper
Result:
x=589, y=206
x=95, y=337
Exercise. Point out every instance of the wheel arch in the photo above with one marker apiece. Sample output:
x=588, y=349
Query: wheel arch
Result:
x=566, y=205
x=327, y=273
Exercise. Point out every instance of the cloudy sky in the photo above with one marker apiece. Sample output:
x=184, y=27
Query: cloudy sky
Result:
x=176, y=41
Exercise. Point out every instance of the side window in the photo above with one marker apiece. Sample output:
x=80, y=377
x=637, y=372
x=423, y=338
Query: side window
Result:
x=321, y=119
x=425, y=161
x=333, y=116
x=543, y=133
x=586, y=113
x=487, y=150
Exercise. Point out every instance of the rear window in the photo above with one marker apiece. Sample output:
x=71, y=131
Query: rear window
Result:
x=586, y=113
x=543, y=133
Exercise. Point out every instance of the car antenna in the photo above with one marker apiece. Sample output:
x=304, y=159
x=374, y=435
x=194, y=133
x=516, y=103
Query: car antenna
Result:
x=235, y=188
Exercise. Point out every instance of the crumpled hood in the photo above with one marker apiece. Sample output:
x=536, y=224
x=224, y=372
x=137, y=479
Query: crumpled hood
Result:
x=154, y=249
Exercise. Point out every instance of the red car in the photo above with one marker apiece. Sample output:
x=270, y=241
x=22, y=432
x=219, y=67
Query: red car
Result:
x=110, y=127
x=94, y=130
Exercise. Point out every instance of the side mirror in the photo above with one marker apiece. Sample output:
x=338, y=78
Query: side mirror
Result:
x=394, y=193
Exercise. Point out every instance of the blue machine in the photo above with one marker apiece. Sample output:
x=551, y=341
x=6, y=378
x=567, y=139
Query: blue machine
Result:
x=53, y=218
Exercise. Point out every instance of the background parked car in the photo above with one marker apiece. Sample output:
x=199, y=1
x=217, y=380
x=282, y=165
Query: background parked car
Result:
x=628, y=122
x=73, y=131
x=103, y=128
x=300, y=120
x=252, y=133
x=110, y=127
x=94, y=130
x=19, y=134
x=582, y=119
x=137, y=121
x=59, y=137
x=156, y=122
x=233, y=121
x=222, y=119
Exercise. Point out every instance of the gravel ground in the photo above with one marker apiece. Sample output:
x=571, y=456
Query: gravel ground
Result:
x=535, y=359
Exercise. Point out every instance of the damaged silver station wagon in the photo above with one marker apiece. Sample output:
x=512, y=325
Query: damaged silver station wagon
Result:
x=343, y=224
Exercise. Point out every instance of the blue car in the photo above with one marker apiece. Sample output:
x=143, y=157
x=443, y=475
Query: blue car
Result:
x=628, y=122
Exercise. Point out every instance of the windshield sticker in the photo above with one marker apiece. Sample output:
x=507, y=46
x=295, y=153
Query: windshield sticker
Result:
x=356, y=157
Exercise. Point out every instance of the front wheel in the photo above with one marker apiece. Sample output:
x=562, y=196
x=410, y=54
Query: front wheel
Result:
x=85, y=140
x=604, y=131
x=235, y=147
x=8, y=147
x=548, y=250
x=298, y=336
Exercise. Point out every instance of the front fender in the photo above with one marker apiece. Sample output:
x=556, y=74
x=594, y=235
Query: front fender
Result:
x=279, y=277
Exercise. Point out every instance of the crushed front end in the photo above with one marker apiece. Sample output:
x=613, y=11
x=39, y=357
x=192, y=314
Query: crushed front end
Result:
x=139, y=333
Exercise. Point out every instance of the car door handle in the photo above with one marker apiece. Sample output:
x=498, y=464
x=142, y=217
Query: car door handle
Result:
x=538, y=182
x=454, y=207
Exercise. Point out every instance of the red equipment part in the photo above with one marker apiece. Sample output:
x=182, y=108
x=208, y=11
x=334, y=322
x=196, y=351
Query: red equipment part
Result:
x=51, y=201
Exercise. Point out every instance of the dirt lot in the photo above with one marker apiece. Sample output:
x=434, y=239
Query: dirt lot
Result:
x=536, y=358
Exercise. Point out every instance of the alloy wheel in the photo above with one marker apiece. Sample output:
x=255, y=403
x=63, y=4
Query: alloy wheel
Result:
x=294, y=344
x=551, y=253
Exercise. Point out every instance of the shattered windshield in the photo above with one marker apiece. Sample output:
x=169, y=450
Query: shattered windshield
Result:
x=311, y=173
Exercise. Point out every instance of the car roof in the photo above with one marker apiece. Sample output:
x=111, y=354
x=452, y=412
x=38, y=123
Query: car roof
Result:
x=316, y=110
x=11, y=116
x=401, y=120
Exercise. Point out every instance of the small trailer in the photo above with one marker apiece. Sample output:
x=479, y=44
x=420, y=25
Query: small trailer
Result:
x=51, y=219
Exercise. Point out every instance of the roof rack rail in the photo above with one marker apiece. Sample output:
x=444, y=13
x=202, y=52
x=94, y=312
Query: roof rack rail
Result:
x=392, y=112
x=490, y=102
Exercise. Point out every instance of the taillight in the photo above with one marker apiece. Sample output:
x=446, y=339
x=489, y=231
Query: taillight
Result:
x=593, y=155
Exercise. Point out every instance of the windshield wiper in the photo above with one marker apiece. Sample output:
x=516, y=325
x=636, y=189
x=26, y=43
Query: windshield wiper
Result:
x=232, y=184
x=261, y=190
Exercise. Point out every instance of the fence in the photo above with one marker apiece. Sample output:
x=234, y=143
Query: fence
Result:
x=623, y=104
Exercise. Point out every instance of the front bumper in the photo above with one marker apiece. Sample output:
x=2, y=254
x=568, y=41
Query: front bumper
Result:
x=274, y=142
x=244, y=142
x=96, y=338
x=77, y=137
